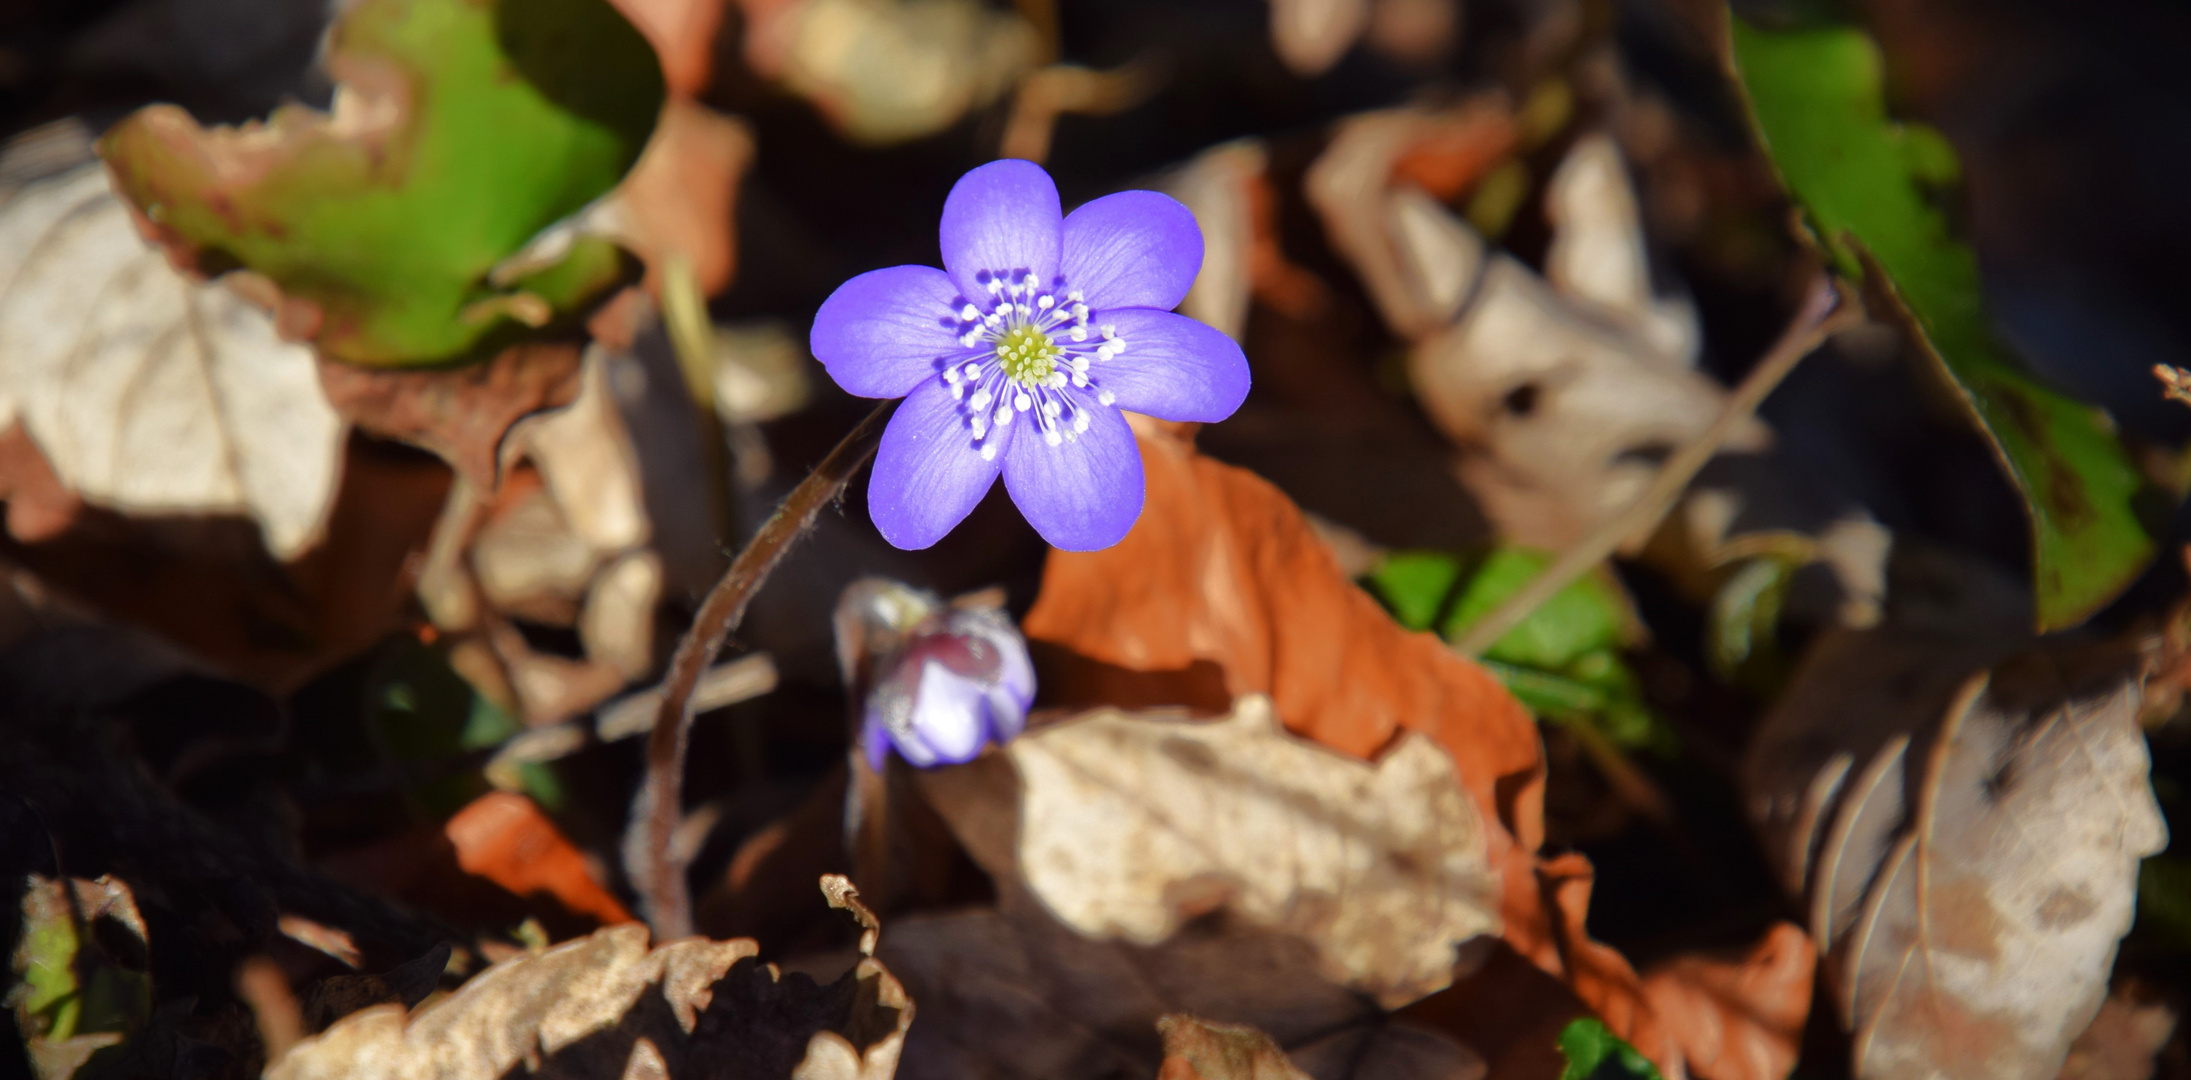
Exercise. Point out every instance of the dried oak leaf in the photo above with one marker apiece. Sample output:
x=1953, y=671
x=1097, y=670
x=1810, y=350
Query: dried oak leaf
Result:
x=606, y=1007
x=886, y=71
x=146, y=392
x=460, y=131
x=1967, y=834
x=462, y=415
x=1128, y=825
x=1221, y=572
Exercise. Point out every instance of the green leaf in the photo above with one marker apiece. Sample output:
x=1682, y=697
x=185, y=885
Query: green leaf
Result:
x=1562, y=662
x=1593, y=1052
x=1586, y=616
x=462, y=129
x=1815, y=99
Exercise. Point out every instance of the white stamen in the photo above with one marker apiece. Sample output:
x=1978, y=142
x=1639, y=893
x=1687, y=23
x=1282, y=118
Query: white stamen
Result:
x=1003, y=414
x=1074, y=296
x=1080, y=333
x=989, y=451
x=969, y=313
x=1080, y=380
x=996, y=285
x=1051, y=436
x=1109, y=331
x=1046, y=302
x=1052, y=410
x=1033, y=283
x=958, y=391
x=1080, y=420
x=1106, y=397
x=951, y=375
x=1022, y=402
x=981, y=398
x=973, y=371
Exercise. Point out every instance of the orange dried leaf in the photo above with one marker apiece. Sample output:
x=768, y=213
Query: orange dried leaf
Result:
x=504, y=838
x=1222, y=581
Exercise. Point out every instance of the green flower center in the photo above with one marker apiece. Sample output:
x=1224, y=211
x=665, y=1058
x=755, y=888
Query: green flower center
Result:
x=1027, y=355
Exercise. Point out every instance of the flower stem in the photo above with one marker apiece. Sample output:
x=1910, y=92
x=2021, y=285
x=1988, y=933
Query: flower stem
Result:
x=1825, y=312
x=668, y=898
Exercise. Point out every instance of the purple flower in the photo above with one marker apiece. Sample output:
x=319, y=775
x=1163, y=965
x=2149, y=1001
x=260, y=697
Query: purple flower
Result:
x=1018, y=355
x=934, y=681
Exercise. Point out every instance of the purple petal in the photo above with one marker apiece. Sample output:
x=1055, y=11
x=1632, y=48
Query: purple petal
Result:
x=884, y=331
x=1002, y=217
x=928, y=471
x=1132, y=249
x=1174, y=368
x=1081, y=495
x=950, y=717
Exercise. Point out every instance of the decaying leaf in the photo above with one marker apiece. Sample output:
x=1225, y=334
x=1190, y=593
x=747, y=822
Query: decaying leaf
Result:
x=460, y=130
x=886, y=71
x=1198, y=1049
x=1741, y=1017
x=503, y=837
x=605, y=1007
x=1130, y=824
x=71, y=998
x=1222, y=589
x=1968, y=844
x=147, y=392
x=1564, y=390
x=1014, y=995
x=461, y=415
x=679, y=200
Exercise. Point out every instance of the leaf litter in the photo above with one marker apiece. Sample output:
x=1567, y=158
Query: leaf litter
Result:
x=1260, y=824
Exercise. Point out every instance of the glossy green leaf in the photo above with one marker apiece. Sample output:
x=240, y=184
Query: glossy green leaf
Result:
x=1815, y=99
x=462, y=129
x=1593, y=1052
x=1586, y=616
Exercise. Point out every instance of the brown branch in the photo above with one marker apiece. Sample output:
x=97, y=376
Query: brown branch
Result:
x=669, y=902
x=1825, y=311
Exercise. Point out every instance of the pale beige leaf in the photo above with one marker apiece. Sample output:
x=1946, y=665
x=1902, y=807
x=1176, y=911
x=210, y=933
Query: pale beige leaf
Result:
x=885, y=71
x=1131, y=824
x=1972, y=839
x=148, y=392
x=1217, y=186
x=607, y=1007
x=1311, y=35
x=1597, y=252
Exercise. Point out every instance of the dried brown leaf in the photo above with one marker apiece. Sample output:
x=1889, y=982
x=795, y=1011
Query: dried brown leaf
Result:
x=1742, y=1017
x=885, y=71
x=1131, y=824
x=148, y=392
x=1968, y=843
x=462, y=414
x=2124, y=1039
x=605, y=1006
x=679, y=200
x=1013, y=994
x=1222, y=589
x=1198, y=1049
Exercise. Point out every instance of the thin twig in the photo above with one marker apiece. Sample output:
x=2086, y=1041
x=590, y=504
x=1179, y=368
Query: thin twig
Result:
x=668, y=900
x=1824, y=312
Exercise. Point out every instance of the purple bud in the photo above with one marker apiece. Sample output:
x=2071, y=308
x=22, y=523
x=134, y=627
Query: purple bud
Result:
x=939, y=682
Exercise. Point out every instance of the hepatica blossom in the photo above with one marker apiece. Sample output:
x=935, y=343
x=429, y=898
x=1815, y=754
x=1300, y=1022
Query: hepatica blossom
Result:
x=956, y=686
x=1017, y=357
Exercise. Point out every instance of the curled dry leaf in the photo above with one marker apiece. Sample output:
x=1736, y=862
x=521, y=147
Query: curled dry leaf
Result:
x=2124, y=1039
x=678, y=201
x=502, y=836
x=147, y=392
x=1738, y=1018
x=1130, y=824
x=885, y=71
x=1222, y=581
x=606, y=1007
x=683, y=35
x=1564, y=391
x=462, y=415
x=1198, y=1049
x=1968, y=841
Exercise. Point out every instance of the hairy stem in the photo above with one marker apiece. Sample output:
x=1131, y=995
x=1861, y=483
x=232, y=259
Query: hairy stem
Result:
x=1824, y=312
x=669, y=901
